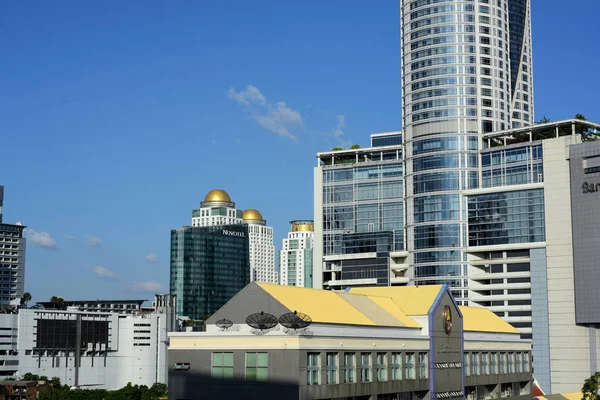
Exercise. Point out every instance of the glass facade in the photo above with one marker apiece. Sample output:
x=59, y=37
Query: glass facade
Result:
x=209, y=265
x=513, y=165
x=506, y=218
x=387, y=140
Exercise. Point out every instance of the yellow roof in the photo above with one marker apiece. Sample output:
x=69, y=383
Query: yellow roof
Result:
x=478, y=319
x=379, y=306
x=217, y=195
x=413, y=300
x=561, y=396
x=341, y=308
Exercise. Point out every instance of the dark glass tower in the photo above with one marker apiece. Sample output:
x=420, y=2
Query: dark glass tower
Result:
x=209, y=265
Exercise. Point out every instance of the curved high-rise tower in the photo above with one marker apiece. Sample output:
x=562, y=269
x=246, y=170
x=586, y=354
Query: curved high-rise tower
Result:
x=466, y=70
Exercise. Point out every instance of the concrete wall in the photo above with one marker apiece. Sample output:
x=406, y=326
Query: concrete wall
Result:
x=569, y=343
x=539, y=318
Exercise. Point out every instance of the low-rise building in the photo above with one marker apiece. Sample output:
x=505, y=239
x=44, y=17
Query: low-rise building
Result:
x=388, y=343
x=101, y=350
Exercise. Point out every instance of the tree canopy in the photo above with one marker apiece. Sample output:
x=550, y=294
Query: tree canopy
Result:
x=54, y=391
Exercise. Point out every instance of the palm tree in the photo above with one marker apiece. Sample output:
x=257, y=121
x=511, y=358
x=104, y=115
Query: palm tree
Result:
x=60, y=302
x=26, y=298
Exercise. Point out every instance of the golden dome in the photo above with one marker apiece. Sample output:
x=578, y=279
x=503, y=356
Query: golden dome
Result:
x=252, y=215
x=217, y=195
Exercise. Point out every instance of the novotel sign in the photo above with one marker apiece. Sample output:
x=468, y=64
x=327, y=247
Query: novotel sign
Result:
x=233, y=233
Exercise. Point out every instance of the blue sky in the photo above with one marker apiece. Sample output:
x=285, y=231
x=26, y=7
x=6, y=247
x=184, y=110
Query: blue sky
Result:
x=117, y=117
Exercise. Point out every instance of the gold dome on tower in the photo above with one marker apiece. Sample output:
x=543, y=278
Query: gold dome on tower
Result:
x=217, y=196
x=252, y=215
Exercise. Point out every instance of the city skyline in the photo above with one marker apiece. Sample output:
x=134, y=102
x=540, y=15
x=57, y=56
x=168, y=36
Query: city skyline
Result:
x=114, y=155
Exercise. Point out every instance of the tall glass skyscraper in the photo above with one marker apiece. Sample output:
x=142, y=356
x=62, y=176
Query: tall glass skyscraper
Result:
x=466, y=71
x=397, y=212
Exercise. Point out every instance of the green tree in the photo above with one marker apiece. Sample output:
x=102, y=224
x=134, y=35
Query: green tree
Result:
x=26, y=298
x=336, y=149
x=590, y=387
x=355, y=146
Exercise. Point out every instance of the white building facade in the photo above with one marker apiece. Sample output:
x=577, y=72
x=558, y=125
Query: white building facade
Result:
x=296, y=255
x=94, y=350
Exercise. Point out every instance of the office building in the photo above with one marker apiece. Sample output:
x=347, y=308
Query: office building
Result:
x=359, y=216
x=12, y=260
x=87, y=349
x=209, y=265
x=533, y=242
x=296, y=255
x=389, y=343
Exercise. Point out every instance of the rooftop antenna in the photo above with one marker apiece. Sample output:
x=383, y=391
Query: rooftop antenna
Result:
x=261, y=322
x=295, y=323
x=224, y=324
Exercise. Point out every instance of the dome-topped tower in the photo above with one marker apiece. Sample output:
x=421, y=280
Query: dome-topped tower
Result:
x=252, y=216
x=217, y=197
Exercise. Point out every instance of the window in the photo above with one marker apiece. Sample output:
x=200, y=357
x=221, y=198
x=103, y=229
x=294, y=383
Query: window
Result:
x=484, y=363
x=349, y=370
x=502, y=363
x=475, y=363
x=257, y=366
x=312, y=368
x=182, y=366
x=493, y=363
x=381, y=367
x=519, y=362
x=396, y=366
x=409, y=365
x=365, y=367
x=422, y=366
x=525, y=362
x=467, y=357
x=332, y=368
x=222, y=365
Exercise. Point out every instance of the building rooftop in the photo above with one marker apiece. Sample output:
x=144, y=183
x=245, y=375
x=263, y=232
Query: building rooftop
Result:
x=379, y=306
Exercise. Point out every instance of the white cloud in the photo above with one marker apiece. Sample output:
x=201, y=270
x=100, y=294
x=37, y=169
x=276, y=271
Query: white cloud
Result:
x=103, y=272
x=248, y=96
x=278, y=117
x=41, y=239
x=151, y=258
x=338, y=131
x=93, y=241
x=147, y=286
x=71, y=237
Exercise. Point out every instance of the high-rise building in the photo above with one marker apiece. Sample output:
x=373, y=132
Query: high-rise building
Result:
x=296, y=255
x=466, y=71
x=218, y=209
x=359, y=216
x=485, y=193
x=12, y=259
x=223, y=250
x=209, y=265
x=262, y=247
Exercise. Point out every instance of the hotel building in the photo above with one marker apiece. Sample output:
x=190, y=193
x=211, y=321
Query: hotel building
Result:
x=296, y=255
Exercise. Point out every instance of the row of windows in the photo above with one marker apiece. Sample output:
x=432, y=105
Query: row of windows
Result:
x=492, y=363
x=359, y=367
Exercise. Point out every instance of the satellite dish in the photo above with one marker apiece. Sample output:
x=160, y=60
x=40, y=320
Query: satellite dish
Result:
x=224, y=324
x=262, y=321
x=295, y=320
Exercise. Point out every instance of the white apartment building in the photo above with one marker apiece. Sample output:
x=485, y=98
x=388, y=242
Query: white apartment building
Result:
x=218, y=209
x=296, y=255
